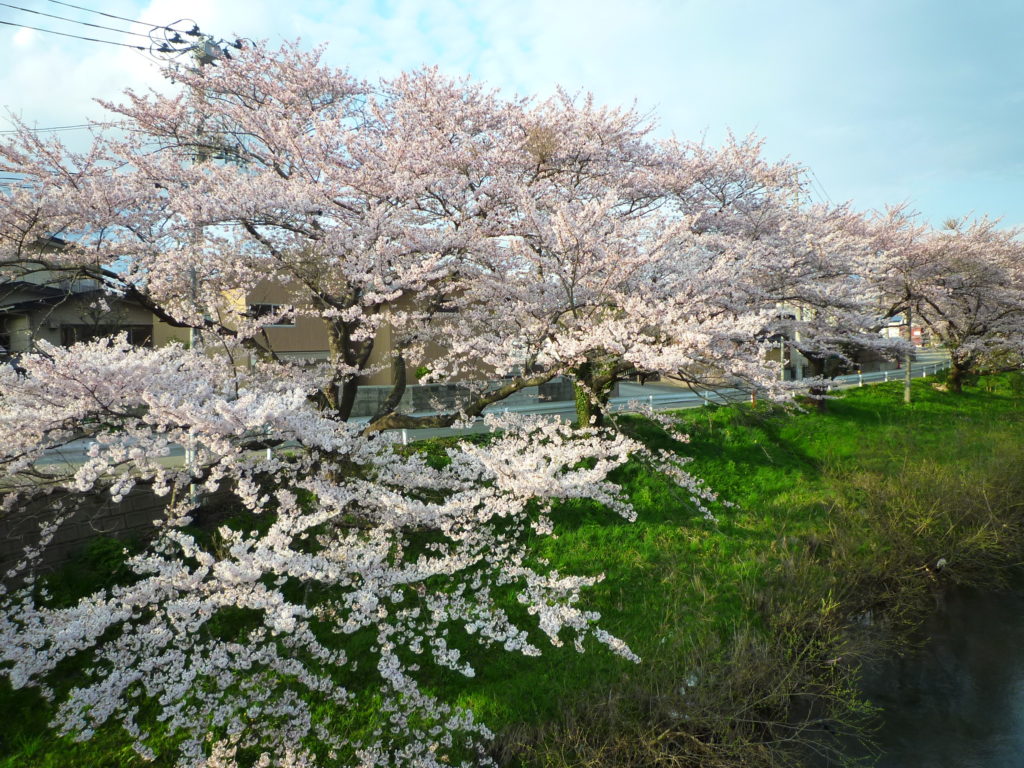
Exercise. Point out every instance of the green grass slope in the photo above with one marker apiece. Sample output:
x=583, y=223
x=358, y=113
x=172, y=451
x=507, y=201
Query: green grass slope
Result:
x=747, y=624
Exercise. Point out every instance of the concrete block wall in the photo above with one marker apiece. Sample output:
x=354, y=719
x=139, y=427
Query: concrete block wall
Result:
x=95, y=516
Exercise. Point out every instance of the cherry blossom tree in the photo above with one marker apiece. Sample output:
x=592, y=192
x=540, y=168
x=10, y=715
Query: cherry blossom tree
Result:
x=273, y=166
x=795, y=269
x=899, y=268
x=565, y=238
x=371, y=205
x=675, y=265
x=973, y=298
x=832, y=312
x=265, y=168
x=962, y=283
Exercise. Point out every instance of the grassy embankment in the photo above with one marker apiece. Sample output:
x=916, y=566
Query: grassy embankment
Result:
x=748, y=627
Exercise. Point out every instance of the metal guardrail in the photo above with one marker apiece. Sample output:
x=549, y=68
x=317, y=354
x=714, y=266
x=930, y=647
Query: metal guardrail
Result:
x=664, y=401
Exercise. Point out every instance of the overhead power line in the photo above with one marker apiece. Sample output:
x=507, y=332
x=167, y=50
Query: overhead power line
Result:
x=164, y=38
x=77, y=37
x=820, y=185
x=57, y=128
x=101, y=13
x=74, y=21
x=54, y=128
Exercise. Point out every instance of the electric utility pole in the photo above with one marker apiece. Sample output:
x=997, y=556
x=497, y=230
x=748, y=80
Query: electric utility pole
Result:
x=205, y=51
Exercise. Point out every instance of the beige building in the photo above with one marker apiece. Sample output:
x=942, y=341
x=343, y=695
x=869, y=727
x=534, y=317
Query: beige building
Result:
x=306, y=338
x=301, y=338
x=63, y=312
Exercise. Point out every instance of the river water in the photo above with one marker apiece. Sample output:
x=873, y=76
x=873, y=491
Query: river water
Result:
x=959, y=701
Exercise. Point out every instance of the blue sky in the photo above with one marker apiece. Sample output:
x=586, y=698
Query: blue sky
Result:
x=906, y=100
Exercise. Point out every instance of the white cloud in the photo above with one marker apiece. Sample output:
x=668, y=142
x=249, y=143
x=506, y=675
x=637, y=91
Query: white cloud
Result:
x=23, y=37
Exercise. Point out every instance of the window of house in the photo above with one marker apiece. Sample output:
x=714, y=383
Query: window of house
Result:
x=263, y=310
x=138, y=335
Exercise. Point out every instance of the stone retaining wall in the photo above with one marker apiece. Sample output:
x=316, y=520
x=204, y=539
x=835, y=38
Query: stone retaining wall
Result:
x=131, y=518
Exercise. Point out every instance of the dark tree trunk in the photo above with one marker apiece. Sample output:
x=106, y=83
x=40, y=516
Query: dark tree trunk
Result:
x=341, y=392
x=588, y=409
x=397, y=390
x=347, y=400
x=593, y=388
x=818, y=398
x=955, y=381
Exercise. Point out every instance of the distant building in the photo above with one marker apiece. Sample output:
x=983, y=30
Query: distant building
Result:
x=63, y=312
x=896, y=328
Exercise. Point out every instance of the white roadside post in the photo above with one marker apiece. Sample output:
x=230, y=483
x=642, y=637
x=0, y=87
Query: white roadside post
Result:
x=908, y=360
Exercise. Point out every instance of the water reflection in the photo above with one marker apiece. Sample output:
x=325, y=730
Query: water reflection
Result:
x=959, y=702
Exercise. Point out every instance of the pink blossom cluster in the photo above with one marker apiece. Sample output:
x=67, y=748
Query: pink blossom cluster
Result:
x=363, y=547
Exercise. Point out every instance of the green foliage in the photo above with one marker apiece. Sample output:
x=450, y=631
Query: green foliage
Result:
x=100, y=565
x=1015, y=382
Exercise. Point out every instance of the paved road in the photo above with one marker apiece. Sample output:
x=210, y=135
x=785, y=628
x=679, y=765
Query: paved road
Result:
x=660, y=397
x=663, y=397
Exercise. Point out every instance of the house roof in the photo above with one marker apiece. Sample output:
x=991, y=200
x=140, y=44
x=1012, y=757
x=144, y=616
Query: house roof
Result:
x=45, y=296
